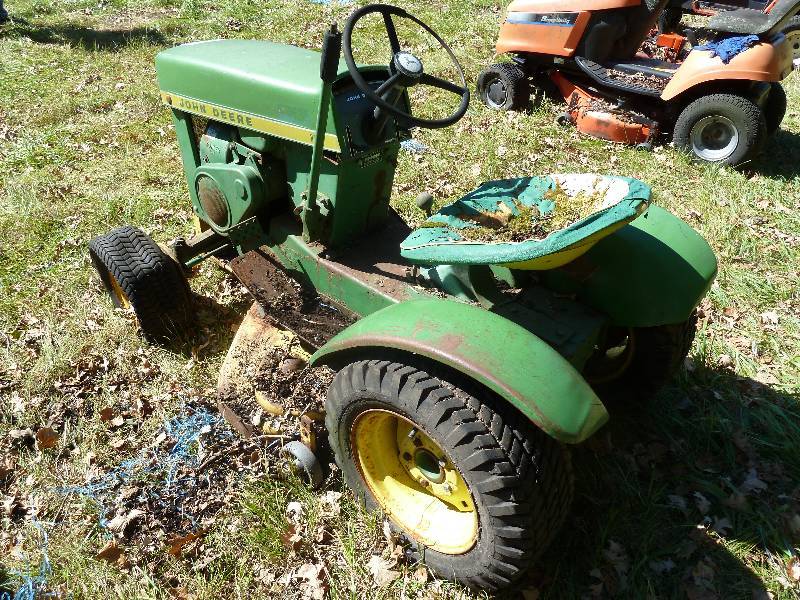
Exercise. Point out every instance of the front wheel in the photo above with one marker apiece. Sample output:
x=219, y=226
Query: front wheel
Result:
x=721, y=128
x=138, y=274
x=504, y=86
x=477, y=489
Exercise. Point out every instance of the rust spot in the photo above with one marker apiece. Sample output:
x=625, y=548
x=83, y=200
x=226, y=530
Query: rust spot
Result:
x=449, y=342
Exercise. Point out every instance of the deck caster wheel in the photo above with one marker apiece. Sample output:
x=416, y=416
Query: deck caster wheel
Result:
x=564, y=120
x=644, y=146
x=137, y=274
x=721, y=128
x=305, y=462
x=477, y=490
x=504, y=86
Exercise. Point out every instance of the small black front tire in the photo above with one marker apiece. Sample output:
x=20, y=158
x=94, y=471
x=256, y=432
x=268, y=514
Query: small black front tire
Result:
x=504, y=86
x=136, y=272
x=721, y=128
x=520, y=479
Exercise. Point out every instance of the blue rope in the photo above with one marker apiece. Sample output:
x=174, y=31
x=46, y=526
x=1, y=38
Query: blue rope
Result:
x=32, y=584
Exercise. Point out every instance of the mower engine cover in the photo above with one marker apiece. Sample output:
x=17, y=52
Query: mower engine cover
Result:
x=579, y=210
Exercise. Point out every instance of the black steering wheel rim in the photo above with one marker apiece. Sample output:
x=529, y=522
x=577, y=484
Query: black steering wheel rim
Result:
x=387, y=10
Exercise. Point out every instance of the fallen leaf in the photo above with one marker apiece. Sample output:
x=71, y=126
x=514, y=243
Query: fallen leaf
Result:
x=315, y=581
x=793, y=569
x=381, y=570
x=421, y=576
x=702, y=503
x=292, y=539
x=107, y=414
x=110, y=552
x=295, y=512
x=752, y=483
x=722, y=526
x=46, y=438
x=123, y=523
x=662, y=566
x=268, y=405
x=177, y=543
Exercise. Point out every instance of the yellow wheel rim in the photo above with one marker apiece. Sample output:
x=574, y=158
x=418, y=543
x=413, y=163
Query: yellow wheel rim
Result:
x=122, y=299
x=414, y=481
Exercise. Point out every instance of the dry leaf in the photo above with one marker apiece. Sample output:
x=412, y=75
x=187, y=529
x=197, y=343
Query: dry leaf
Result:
x=123, y=523
x=291, y=539
x=46, y=438
x=268, y=405
x=793, y=569
x=703, y=505
x=752, y=483
x=421, y=575
x=315, y=581
x=381, y=570
x=107, y=414
x=177, y=543
x=110, y=553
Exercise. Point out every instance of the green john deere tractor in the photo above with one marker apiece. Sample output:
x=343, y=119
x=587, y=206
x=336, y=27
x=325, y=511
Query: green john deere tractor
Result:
x=472, y=350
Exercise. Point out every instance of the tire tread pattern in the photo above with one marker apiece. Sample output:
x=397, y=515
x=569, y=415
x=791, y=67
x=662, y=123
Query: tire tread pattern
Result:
x=522, y=476
x=152, y=281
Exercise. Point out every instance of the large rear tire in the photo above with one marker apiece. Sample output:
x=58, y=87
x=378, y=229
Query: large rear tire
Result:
x=721, y=128
x=637, y=362
x=137, y=274
x=775, y=108
x=477, y=489
x=504, y=86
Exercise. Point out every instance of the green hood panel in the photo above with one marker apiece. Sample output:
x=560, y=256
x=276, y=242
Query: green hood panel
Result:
x=273, y=82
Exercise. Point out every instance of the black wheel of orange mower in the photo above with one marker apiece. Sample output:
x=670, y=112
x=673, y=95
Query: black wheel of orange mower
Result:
x=504, y=86
x=138, y=274
x=477, y=490
x=636, y=362
x=775, y=108
x=721, y=128
x=792, y=33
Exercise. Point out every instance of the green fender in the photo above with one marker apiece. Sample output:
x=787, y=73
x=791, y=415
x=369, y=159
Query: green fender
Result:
x=654, y=271
x=486, y=347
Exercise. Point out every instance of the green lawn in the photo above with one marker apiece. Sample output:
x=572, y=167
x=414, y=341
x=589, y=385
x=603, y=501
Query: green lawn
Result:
x=694, y=495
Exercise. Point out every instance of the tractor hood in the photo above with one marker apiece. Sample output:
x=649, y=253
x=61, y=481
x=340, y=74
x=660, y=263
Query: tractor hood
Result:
x=274, y=88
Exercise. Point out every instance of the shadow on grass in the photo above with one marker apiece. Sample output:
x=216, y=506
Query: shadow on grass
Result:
x=781, y=156
x=79, y=36
x=670, y=492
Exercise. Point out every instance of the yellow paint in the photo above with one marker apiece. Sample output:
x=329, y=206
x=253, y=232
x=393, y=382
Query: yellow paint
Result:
x=248, y=121
x=116, y=289
x=566, y=255
x=439, y=513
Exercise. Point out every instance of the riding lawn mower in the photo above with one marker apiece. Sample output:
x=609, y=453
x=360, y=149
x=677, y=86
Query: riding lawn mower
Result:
x=470, y=351
x=720, y=102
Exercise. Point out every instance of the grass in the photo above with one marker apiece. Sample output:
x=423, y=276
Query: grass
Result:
x=86, y=146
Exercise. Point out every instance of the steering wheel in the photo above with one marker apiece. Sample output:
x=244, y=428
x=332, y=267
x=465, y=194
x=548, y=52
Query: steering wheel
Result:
x=406, y=69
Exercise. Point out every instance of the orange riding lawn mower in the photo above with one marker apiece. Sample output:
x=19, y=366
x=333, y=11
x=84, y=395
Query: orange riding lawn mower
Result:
x=624, y=82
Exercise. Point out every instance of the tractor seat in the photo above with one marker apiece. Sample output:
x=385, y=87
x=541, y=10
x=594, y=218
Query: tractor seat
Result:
x=532, y=223
x=748, y=21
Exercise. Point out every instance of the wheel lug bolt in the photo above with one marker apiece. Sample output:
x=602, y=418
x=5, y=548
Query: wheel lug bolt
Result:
x=412, y=433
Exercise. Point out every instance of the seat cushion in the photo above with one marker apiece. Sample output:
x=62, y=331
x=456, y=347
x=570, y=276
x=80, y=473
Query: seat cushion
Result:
x=747, y=21
x=527, y=223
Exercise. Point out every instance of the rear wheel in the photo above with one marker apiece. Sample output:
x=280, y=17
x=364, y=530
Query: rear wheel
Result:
x=475, y=487
x=504, y=86
x=775, y=108
x=636, y=362
x=721, y=128
x=792, y=33
x=138, y=274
